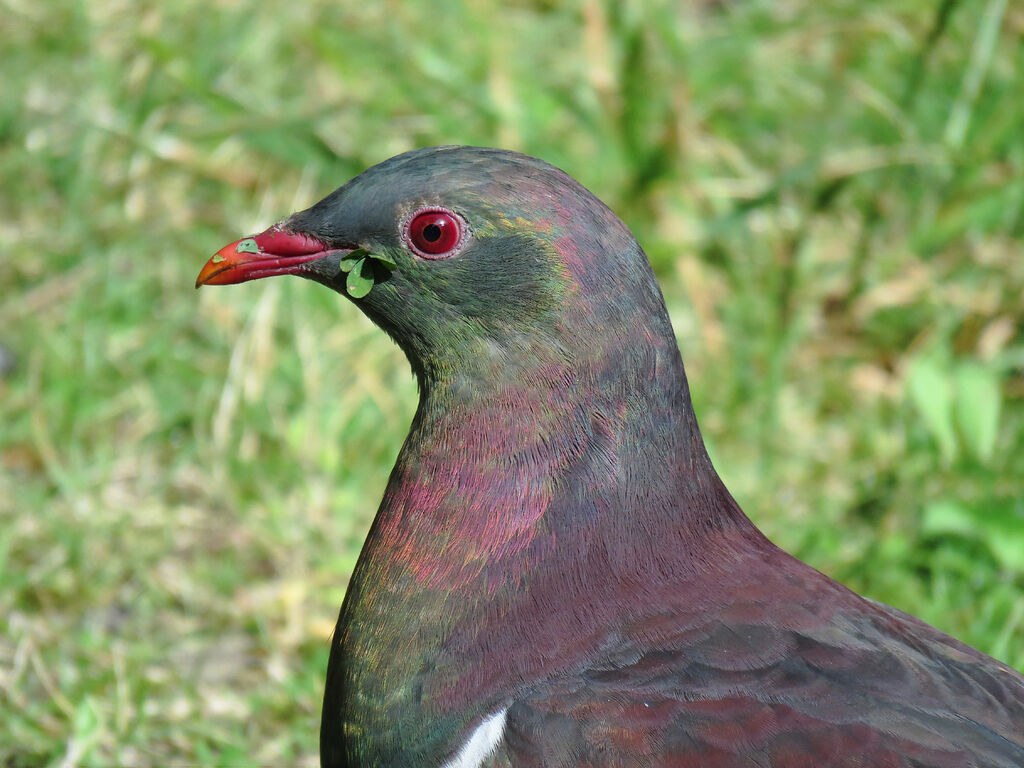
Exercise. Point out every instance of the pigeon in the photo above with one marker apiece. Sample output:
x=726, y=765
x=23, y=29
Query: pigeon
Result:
x=556, y=575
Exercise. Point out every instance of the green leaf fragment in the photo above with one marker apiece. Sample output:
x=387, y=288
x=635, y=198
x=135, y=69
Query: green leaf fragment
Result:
x=385, y=261
x=360, y=279
x=364, y=269
x=247, y=246
x=217, y=258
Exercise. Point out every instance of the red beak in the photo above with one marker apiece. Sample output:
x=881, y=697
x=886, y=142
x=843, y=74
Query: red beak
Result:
x=274, y=252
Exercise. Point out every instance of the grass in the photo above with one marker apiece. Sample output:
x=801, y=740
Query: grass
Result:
x=830, y=193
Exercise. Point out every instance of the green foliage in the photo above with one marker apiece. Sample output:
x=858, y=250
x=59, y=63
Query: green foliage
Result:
x=931, y=388
x=830, y=192
x=1000, y=527
x=942, y=389
x=978, y=399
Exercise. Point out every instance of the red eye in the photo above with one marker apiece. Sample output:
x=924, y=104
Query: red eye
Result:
x=434, y=234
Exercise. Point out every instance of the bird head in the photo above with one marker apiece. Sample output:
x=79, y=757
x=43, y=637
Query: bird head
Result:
x=465, y=252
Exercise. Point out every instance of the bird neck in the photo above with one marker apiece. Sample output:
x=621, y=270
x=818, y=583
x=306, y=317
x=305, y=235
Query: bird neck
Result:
x=546, y=474
x=546, y=439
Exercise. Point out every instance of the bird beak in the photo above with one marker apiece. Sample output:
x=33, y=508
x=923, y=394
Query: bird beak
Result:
x=274, y=252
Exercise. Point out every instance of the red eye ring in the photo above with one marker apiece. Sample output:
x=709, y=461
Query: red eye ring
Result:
x=435, y=233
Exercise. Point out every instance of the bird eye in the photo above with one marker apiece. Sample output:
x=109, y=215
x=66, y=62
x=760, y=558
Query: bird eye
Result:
x=434, y=233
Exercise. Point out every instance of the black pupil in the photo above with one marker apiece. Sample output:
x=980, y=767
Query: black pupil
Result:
x=431, y=233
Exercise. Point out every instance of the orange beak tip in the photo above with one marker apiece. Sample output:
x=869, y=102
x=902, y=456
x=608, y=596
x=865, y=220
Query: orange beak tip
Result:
x=274, y=252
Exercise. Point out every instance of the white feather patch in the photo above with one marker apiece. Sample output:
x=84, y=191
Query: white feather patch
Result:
x=481, y=743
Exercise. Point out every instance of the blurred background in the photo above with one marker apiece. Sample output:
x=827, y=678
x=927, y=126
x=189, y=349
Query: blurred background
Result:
x=831, y=193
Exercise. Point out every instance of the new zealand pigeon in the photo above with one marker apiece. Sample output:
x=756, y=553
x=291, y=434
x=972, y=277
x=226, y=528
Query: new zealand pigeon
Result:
x=556, y=575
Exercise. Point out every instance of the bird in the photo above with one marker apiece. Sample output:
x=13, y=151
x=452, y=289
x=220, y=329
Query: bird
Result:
x=556, y=575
